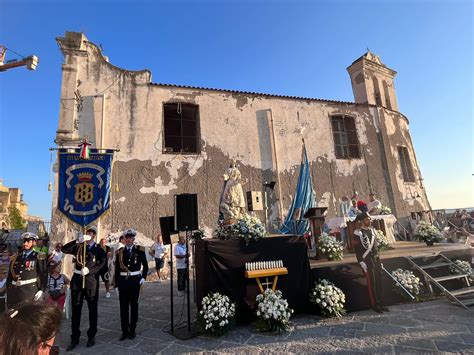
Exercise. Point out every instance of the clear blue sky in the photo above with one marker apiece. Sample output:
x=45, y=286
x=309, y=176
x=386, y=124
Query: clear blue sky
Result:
x=284, y=47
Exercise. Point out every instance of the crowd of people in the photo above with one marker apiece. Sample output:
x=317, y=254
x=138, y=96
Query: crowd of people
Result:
x=355, y=205
x=34, y=274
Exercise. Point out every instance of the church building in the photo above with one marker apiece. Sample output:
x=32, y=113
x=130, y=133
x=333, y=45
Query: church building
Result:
x=175, y=139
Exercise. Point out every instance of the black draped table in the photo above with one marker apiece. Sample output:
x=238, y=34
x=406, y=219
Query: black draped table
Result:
x=220, y=267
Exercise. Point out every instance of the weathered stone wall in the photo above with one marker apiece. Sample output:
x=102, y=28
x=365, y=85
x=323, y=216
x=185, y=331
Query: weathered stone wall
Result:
x=122, y=109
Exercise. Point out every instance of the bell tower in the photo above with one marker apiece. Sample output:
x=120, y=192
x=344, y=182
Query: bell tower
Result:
x=372, y=82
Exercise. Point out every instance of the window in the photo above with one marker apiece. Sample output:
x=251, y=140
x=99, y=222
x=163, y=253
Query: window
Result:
x=378, y=100
x=346, y=143
x=405, y=163
x=387, y=95
x=181, y=128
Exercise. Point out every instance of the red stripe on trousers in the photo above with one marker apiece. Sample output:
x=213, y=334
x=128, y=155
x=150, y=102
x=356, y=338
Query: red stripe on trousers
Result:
x=369, y=287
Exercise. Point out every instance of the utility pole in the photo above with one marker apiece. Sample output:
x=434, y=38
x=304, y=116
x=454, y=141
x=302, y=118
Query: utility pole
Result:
x=30, y=61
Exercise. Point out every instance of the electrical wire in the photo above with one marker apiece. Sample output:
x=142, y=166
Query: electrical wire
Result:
x=11, y=50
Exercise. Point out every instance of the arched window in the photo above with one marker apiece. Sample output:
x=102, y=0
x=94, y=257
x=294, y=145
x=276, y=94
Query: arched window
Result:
x=378, y=100
x=388, y=104
x=181, y=129
x=344, y=132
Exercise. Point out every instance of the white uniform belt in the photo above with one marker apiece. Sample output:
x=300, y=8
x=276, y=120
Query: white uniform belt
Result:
x=132, y=273
x=79, y=272
x=23, y=282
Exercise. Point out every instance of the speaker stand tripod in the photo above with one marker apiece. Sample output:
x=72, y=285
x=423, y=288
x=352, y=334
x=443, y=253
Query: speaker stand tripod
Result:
x=190, y=330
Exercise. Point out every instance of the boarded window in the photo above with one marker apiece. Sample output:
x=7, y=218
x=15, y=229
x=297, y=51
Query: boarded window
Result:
x=181, y=128
x=346, y=143
x=405, y=163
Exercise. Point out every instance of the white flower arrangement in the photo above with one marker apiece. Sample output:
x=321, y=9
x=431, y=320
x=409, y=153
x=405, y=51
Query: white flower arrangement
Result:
x=217, y=315
x=329, y=298
x=463, y=267
x=273, y=312
x=198, y=235
x=385, y=210
x=382, y=241
x=408, y=280
x=328, y=245
x=428, y=233
x=247, y=227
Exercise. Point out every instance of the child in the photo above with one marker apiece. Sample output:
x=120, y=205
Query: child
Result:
x=57, y=286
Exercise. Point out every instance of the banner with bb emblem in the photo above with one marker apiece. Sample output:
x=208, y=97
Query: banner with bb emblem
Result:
x=84, y=185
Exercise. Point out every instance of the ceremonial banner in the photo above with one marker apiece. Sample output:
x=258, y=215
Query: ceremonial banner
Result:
x=84, y=185
x=303, y=200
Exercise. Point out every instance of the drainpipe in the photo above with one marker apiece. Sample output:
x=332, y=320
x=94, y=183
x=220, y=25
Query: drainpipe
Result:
x=276, y=165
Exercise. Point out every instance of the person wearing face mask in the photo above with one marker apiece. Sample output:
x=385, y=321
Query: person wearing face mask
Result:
x=85, y=283
x=131, y=270
x=26, y=279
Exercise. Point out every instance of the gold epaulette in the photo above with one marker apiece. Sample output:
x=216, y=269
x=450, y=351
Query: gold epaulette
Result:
x=142, y=248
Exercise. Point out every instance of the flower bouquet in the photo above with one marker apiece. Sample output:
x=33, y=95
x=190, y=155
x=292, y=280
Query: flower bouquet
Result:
x=248, y=227
x=217, y=314
x=273, y=312
x=197, y=235
x=385, y=210
x=461, y=267
x=328, y=245
x=382, y=241
x=329, y=298
x=427, y=233
x=408, y=280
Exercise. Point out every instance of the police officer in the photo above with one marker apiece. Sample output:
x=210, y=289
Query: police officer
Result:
x=365, y=245
x=88, y=269
x=26, y=279
x=131, y=269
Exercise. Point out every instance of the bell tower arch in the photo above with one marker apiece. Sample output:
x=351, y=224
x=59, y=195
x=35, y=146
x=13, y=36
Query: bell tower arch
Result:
x=372, y=82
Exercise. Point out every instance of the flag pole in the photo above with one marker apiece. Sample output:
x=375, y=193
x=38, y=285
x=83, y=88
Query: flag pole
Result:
x=84, y=259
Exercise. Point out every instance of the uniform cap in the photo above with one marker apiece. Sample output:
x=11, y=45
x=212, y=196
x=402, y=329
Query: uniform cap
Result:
x=362, y=216
x=130, y=232
x=361, y=203
x=29, y=236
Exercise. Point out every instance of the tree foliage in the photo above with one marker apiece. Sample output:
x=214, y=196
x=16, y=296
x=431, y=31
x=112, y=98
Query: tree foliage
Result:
x=16, y=220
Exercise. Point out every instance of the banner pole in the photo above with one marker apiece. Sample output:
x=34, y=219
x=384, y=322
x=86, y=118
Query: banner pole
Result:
x=84, y=260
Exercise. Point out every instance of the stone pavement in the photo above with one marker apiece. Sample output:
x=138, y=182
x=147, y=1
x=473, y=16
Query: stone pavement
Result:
x=430, y=327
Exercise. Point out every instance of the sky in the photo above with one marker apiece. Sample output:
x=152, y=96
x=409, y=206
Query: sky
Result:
x=290, y=47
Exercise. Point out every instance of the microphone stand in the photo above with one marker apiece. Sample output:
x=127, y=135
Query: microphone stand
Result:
x=171, y=286
x=187, y=279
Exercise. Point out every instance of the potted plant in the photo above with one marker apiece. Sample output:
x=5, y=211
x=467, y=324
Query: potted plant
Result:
x=427, y=233
x=329, y=298
x=217, y=315
x=329, y=246
x=273, y=312
x=408, y=280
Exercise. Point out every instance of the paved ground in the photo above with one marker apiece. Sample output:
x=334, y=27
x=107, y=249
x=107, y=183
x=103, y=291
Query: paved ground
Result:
x=430, y=327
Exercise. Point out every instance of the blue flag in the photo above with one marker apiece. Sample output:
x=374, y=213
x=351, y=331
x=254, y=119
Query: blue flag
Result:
x=303, y=200
x=84, y=185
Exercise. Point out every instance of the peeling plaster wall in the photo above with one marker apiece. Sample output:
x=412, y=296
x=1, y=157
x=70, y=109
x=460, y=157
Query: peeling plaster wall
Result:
x=232, y=126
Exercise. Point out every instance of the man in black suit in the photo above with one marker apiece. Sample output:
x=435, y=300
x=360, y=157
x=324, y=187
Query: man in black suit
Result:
x=88, y=289
x=131, y=270
x=365, y=245
x=26, y=279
